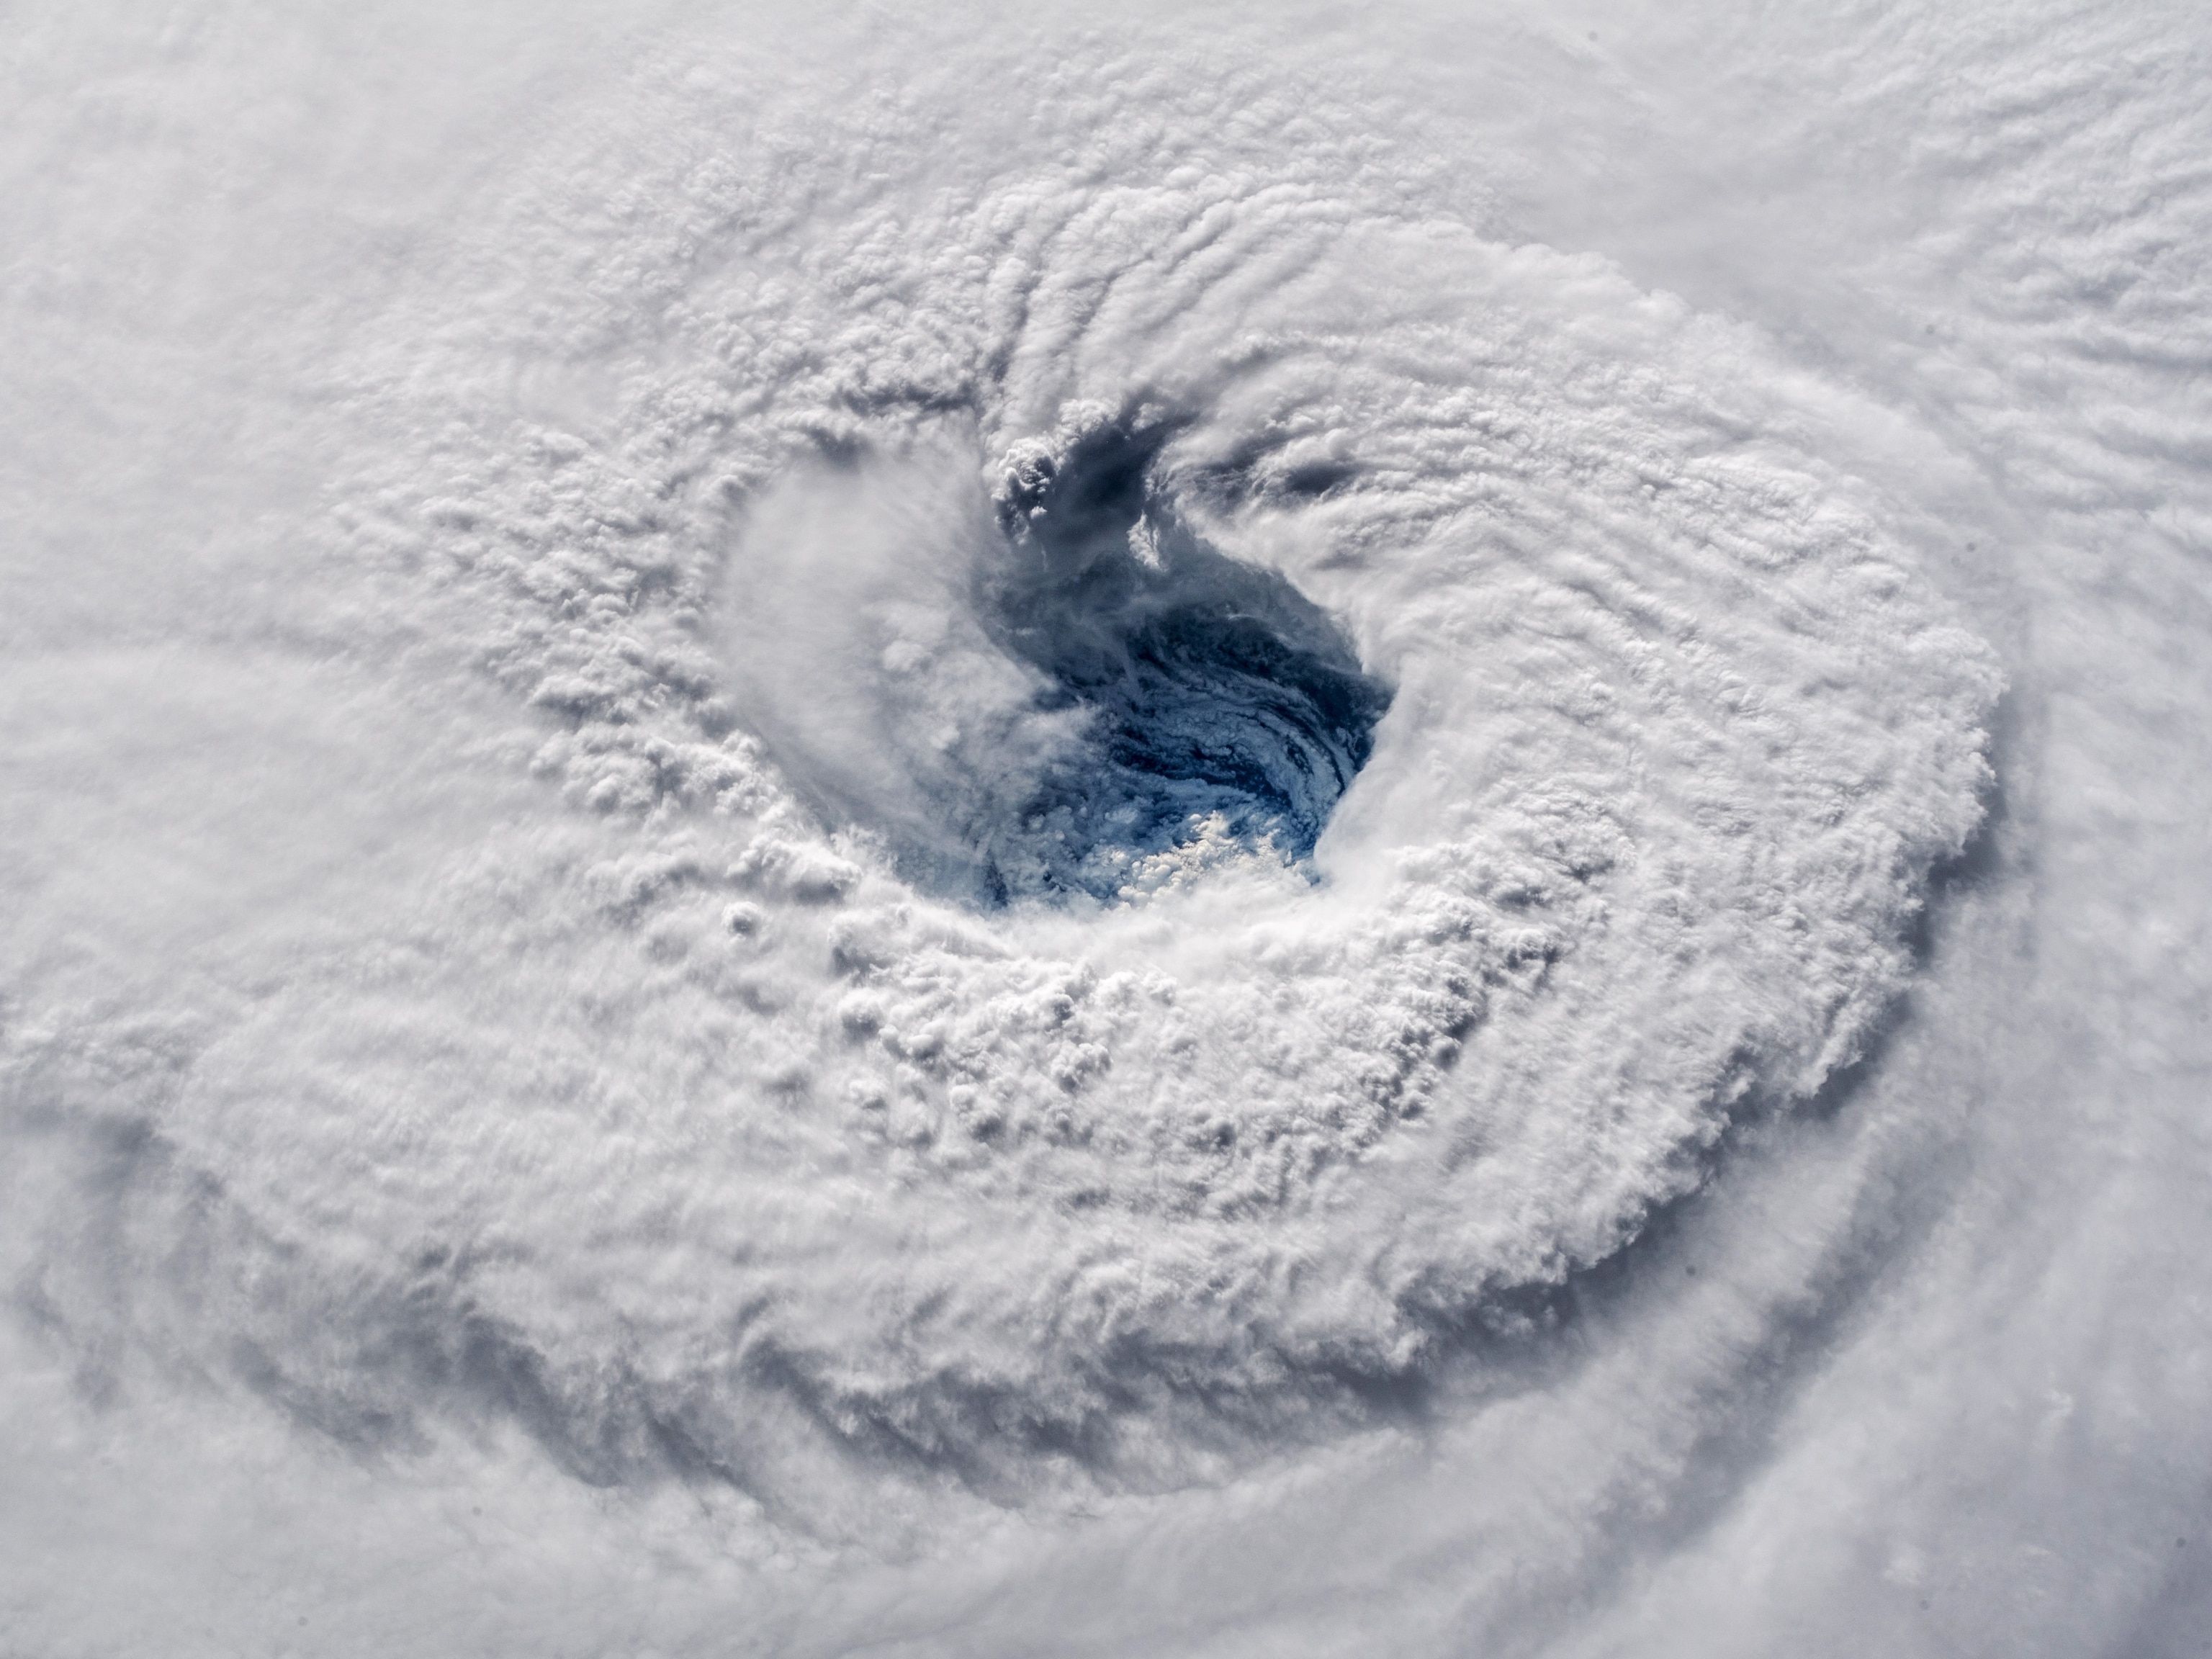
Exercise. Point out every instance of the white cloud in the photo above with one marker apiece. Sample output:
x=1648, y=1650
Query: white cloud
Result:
x=478, y=1032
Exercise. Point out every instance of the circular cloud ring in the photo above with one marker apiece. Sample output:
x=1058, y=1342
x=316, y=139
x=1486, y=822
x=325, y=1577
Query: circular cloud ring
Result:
x=1677, y=736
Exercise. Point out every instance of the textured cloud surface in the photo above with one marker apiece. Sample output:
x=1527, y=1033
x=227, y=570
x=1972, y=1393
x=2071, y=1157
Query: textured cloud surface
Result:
x=1011, y=834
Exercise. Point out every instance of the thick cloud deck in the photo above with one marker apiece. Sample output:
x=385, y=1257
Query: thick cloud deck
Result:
x=1178, y=783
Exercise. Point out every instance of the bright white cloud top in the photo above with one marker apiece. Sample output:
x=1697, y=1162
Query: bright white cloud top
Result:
x=1287, y=835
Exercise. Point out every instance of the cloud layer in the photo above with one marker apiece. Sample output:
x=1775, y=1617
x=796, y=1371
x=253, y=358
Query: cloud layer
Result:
x=609, y=935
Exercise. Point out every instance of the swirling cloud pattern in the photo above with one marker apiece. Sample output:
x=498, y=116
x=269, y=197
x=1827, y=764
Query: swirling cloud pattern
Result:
x=1008, y=833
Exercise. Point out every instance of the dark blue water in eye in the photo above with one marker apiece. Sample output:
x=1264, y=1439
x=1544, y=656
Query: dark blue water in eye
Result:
x=1215, y=689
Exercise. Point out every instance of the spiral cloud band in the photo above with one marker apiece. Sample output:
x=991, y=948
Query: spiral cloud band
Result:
x=1018, y=833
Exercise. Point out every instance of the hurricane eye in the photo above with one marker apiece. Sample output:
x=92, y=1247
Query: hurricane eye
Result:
x=1224, y=706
